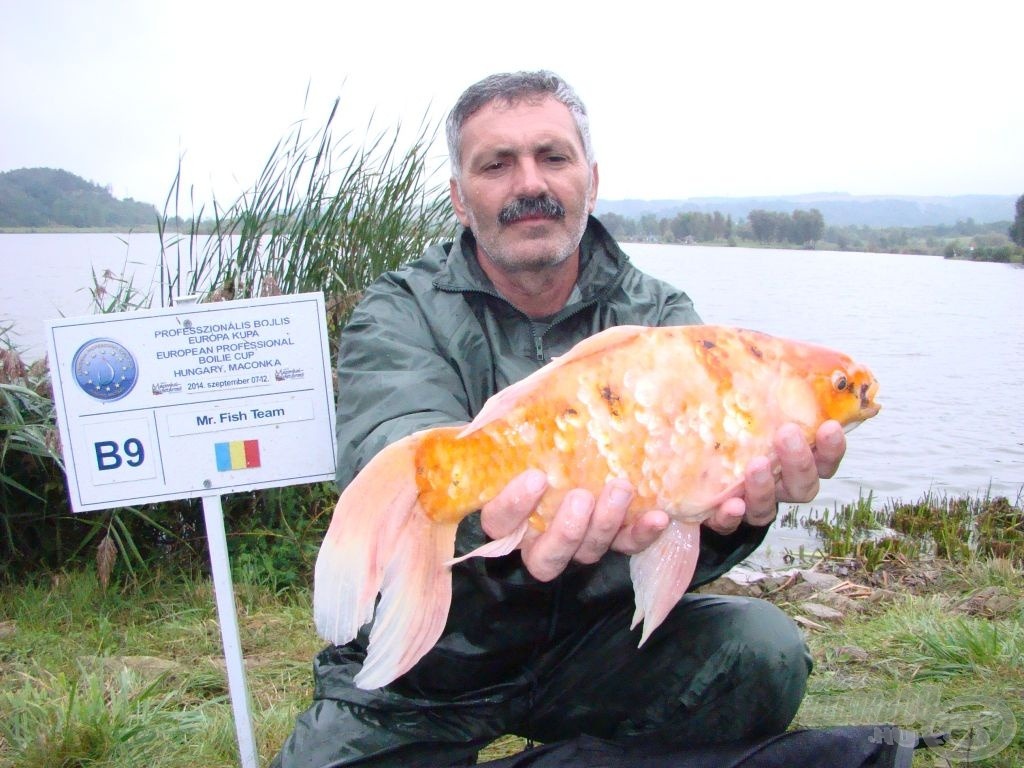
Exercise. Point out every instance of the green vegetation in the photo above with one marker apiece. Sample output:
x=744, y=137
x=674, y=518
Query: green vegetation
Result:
x=38, y=198
x=807, y=229
x=801, y=228
x=838, y=208
x=939, y=651
x=134, y=675
x=1016, y=230
x=955, y=529
x=933, y=638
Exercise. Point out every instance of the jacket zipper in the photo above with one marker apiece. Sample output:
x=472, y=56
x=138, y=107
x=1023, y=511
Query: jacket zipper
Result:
x=538, y=343
x=538, y=339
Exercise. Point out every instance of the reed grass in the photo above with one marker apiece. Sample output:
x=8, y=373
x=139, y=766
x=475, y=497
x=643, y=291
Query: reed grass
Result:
x=957, y=528
x=325, y=214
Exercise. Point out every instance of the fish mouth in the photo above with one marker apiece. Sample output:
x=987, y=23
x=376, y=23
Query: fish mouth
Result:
x=868, y=406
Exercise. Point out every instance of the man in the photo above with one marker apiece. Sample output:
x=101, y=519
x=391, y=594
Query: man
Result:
x=538, y=642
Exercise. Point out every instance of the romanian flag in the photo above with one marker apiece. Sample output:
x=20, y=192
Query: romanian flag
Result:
x=238, y=454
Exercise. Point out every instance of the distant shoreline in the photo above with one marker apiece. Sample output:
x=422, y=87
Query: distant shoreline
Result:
x=915, y=249
x=64, y=230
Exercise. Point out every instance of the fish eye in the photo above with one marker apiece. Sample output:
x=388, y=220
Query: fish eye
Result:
x=839, y=381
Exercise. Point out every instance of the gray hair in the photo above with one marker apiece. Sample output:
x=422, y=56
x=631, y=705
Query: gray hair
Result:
x=512, y=87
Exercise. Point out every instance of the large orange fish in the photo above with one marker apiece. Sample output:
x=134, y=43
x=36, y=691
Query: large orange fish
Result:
x=678, y=411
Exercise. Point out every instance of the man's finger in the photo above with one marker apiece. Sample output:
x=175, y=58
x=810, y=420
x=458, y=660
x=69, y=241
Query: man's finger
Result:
x=606, y=521
x=547, y=555
x=829, y=448
x=505, y=512
x=726, y=519
x=641, y=533
x=798, y=481
x=759, y=492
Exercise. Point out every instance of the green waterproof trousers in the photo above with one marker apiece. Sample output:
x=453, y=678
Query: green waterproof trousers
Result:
x=718, y=669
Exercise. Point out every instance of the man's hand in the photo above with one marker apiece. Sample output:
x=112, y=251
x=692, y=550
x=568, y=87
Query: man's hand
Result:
x=794, y=478
x=583, y=529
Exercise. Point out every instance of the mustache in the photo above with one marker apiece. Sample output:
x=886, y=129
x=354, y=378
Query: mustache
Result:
x=524, y=207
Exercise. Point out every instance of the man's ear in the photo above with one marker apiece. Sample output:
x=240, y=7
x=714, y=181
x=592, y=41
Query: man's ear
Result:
x=457, y=203
x=592, y=203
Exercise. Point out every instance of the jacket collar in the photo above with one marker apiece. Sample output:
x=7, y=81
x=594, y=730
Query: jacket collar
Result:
x=602, y=264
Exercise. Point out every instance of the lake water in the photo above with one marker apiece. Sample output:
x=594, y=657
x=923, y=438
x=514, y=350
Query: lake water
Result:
x=45, y=276
x=945, y=339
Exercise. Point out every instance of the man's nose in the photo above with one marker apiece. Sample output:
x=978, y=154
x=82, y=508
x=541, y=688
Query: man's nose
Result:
x=529, y=180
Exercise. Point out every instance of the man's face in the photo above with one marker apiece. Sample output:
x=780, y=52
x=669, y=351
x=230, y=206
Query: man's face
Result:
x=526, y=188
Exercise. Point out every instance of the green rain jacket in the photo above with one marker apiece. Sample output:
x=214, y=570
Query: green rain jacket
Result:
x=427, y=345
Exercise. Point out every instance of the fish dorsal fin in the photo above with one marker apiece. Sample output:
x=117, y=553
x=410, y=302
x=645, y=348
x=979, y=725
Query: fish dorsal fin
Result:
x=600, y=343
x=503, y=402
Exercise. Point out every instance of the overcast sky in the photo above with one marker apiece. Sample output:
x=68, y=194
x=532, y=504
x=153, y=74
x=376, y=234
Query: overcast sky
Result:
x=687, y=99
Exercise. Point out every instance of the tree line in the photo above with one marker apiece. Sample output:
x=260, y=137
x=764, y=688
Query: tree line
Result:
x=967, y=239
x=48, y=197
x=1017, y=228
x=800, y=228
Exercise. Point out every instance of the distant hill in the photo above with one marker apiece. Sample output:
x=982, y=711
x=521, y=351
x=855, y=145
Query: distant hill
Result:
x=47, y=197
x=838, y=209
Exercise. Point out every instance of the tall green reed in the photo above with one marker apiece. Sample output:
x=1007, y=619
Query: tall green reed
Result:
x=325, y=214
x=30, y=464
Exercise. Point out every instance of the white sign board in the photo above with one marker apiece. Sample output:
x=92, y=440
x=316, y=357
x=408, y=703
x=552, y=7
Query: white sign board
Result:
x=193, y=400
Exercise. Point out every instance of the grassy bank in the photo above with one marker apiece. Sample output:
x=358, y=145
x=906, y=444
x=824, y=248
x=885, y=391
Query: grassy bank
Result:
x=133, y=674
x=939, y=649
x=951, y=248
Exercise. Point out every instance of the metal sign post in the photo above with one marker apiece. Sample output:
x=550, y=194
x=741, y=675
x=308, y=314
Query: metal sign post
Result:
x=195, y=401
x=227, y=617
x=227, y=614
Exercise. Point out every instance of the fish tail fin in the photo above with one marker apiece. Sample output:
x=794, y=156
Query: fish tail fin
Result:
x=662, y=572
x=415, y=598
x=382, y=541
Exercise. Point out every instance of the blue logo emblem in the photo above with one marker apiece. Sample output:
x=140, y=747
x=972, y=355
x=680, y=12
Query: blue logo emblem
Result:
x=104, y=369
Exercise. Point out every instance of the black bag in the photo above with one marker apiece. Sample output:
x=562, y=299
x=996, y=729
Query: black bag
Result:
x=865, y=746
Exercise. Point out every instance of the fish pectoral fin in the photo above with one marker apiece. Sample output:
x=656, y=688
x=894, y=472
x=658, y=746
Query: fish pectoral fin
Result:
x=496, y=547
x=662, y=573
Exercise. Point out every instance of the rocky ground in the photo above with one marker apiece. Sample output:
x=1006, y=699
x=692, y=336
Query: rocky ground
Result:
x=832, y=590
